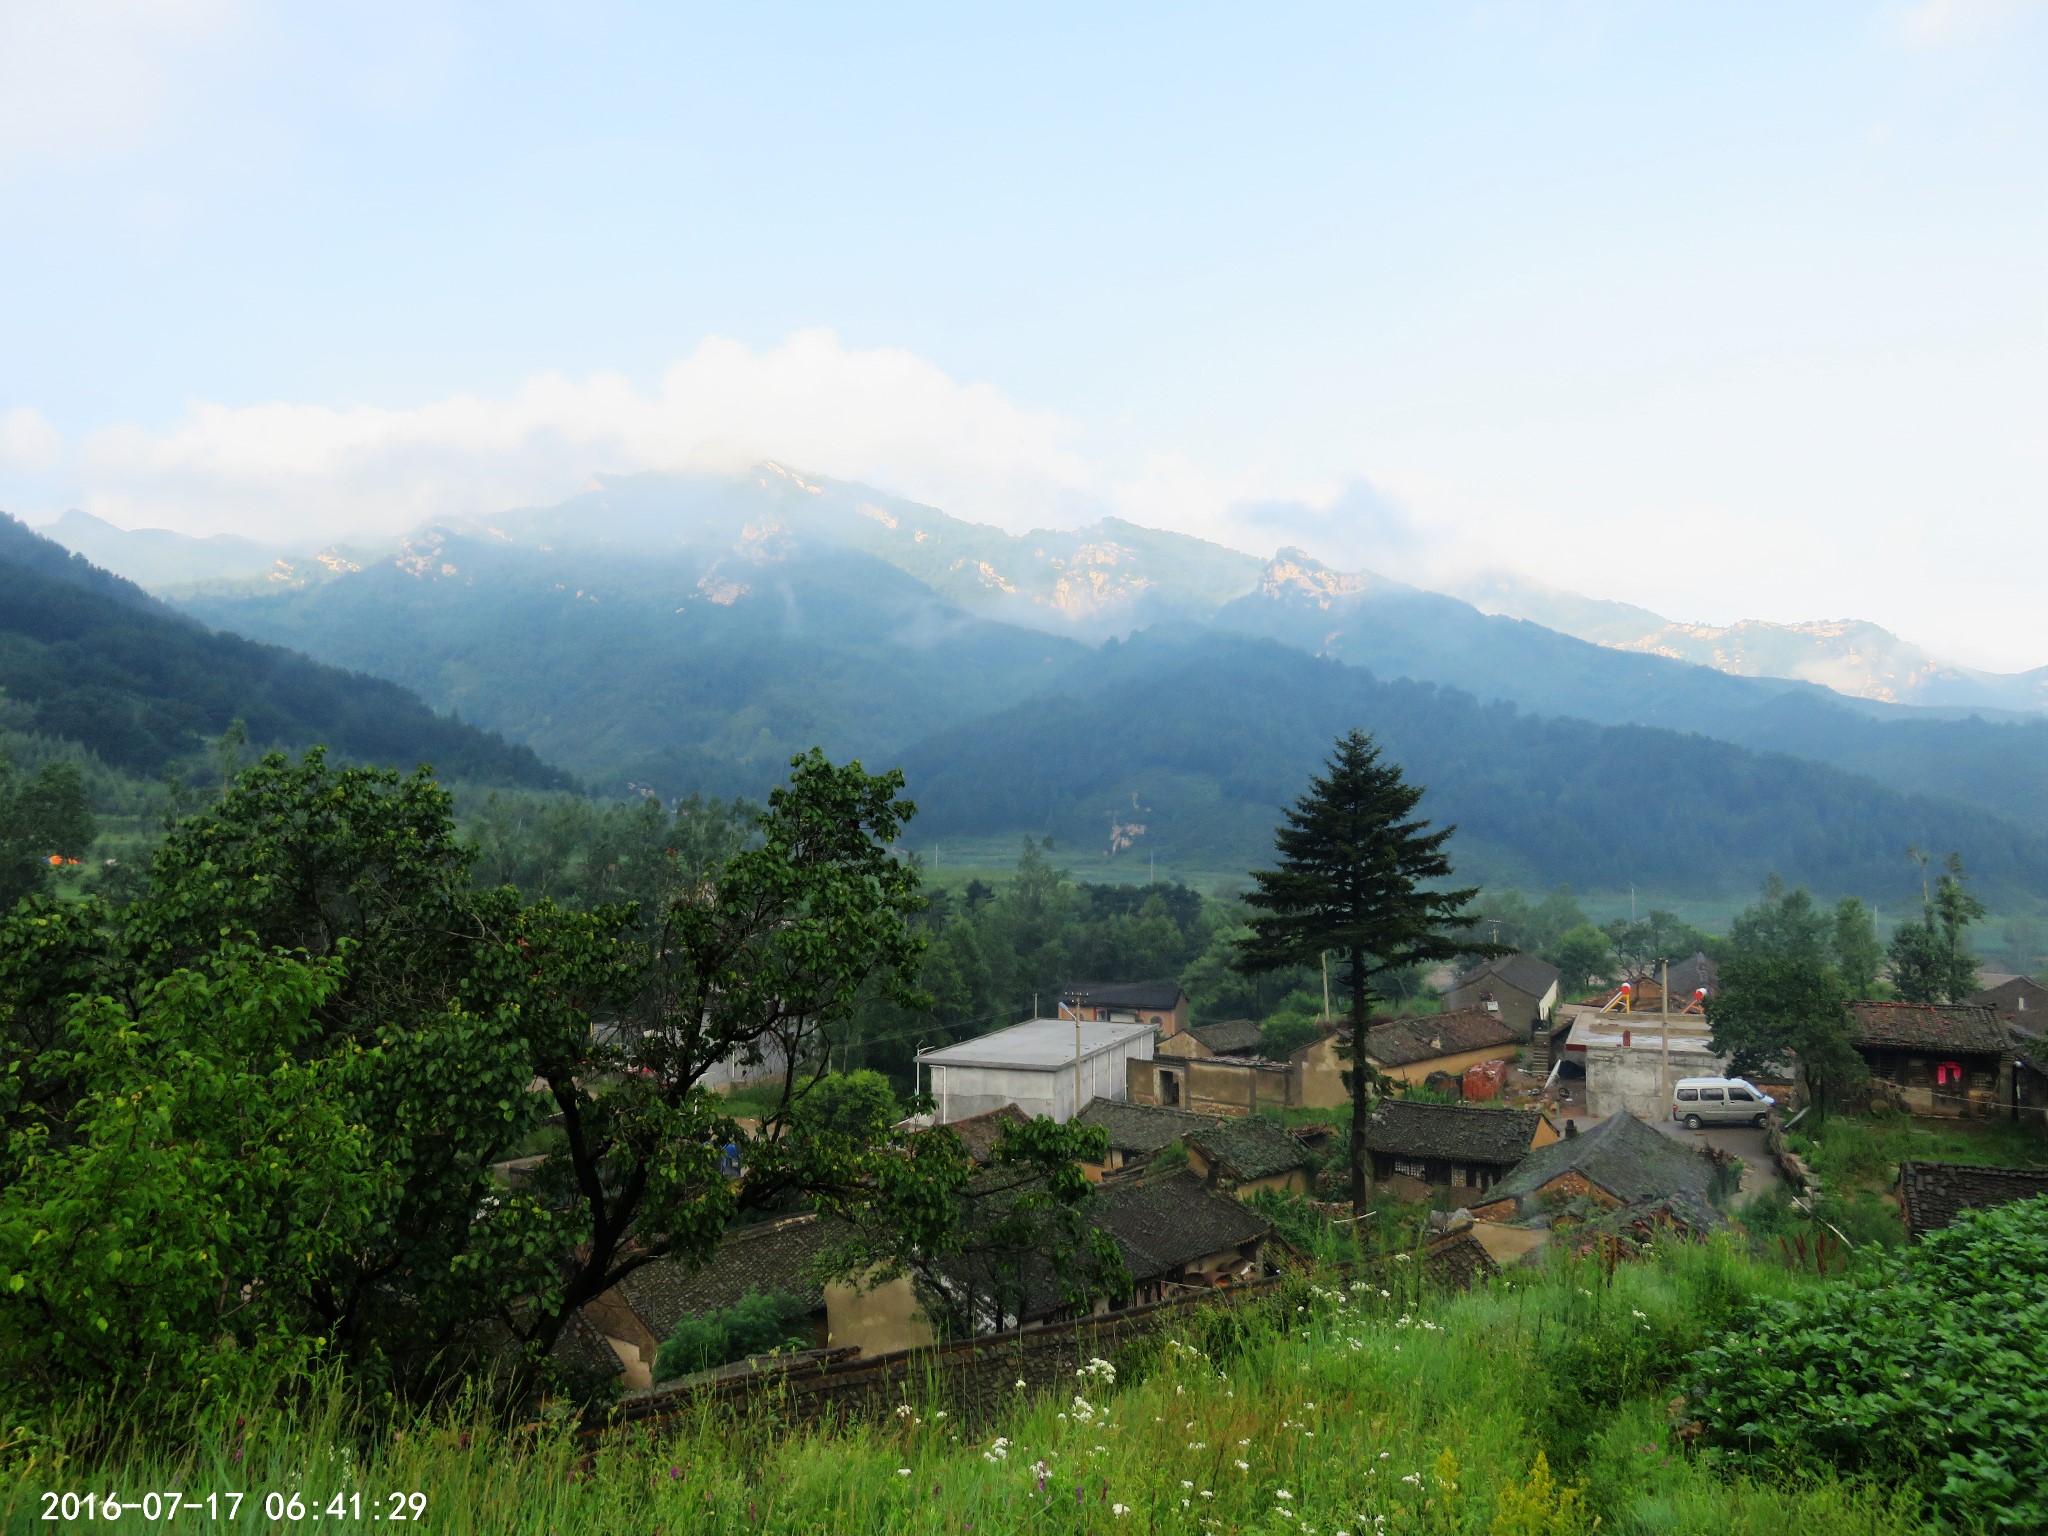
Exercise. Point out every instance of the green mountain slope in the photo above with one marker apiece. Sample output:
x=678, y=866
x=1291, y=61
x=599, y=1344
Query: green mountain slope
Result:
x=1999, y=764
x=690, y=668
x=667, y=685
x=1214, y=734
x=87, y=657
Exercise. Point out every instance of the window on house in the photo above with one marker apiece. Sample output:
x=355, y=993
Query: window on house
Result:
x=1169, y=1087
x=1413, y=1170
x=1457, y=1178
x=1948, y=1072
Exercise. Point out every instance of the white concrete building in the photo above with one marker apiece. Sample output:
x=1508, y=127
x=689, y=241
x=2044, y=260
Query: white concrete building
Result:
x=1043, y=1066
x=1632, y=1060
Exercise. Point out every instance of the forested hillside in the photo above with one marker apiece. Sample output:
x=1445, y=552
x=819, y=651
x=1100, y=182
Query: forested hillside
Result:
x=767, y=611
x=1999, y=763
x=1203, y=739
x=89, y=658
x=688, y=669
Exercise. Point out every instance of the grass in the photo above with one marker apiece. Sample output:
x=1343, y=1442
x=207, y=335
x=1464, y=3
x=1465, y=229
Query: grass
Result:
x=1864, y=1153
x=1329, y=1409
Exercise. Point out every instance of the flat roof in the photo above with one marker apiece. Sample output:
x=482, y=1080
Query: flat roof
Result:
x=1037, y=1044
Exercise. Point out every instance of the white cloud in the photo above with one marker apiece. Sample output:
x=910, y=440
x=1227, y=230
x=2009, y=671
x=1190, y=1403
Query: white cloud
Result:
x=82, y=76
x=878, y=415
x=1610, y=522
x=28, y=443
x=1939, y=23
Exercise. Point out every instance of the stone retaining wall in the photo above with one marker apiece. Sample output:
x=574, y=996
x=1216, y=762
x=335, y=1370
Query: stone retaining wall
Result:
x=974, y=1379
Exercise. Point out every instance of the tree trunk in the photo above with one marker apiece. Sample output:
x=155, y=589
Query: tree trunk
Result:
x=1361, y=1083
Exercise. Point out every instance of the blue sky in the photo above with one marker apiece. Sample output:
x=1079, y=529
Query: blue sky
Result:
x=1733, y=310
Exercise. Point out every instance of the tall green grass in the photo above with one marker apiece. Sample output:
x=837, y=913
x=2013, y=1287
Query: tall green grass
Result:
x=1328, y=1408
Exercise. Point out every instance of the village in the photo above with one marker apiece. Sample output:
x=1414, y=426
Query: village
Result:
x=1510, y=1124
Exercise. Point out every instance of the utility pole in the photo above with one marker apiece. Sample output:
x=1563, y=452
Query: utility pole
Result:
x=1324, y=957
x=1664, y=1034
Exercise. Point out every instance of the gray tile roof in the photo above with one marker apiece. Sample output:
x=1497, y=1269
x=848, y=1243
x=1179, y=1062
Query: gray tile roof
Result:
x=1164, y=996
x=1404, y=1042
x=1647, y=1221
x=1458, y=1133
x=1139, y=1130
x=1458, y=1262
x=1162, y=1225
x=1931, y=1195
x=1233, y=1037
x=2019, y=995
x=774, y=1256
x=1524, y=972
x=1960, y=1027
x=979, y=1133
x=1620, y=1155
x=1251, y=1147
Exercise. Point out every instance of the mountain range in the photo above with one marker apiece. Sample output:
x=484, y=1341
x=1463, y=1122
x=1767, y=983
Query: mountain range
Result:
x=1851, y=656
x=90, y=659
x=1107, y=579
x=690, y=632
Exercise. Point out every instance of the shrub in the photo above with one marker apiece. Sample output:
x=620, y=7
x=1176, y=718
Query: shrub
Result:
x=758, y=1323
x=1927, y=1364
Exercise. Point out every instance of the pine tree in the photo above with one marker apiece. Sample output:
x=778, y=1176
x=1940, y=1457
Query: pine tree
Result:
x=1354, y=866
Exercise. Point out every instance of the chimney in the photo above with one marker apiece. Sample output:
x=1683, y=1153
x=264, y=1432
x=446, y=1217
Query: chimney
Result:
x=1571, y=1129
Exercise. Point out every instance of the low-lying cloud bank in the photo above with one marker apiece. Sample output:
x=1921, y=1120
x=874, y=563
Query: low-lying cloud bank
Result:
x=880, y=415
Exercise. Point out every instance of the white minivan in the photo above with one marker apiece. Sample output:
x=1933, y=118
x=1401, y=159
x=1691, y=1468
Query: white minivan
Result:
x=1702, y=1101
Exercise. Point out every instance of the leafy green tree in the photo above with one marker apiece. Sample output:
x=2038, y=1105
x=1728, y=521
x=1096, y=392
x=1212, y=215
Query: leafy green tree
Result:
x=39, y=816
x=1513, y=919
x=485, y=1016
x=1931, y=958
x=1781, y=997
x=169, y=1232
x=1581, y=954
x=1218, y=988
x=983, y=1243
x=1858, y=954
x=1354, y=879
x=1282, y=1034
x=1657, y=936
x=853, y=1104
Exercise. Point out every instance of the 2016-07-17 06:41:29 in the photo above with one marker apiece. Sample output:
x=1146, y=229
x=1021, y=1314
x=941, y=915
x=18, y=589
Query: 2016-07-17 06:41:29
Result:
x=287, y=1507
